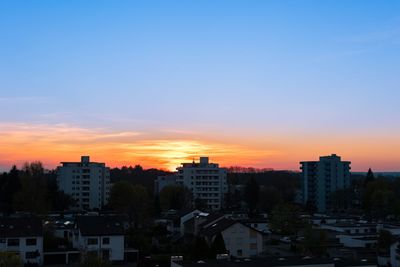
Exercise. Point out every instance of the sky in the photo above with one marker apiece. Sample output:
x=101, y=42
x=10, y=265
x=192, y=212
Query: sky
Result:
x=247, y=83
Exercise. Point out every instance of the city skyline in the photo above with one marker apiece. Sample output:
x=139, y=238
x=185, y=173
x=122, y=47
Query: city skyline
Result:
x=258, y=84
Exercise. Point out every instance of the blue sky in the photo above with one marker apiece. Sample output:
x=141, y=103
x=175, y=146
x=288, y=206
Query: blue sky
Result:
x=214, y=69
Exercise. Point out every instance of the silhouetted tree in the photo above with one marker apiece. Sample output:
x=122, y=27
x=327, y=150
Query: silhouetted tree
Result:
x=59, y=201
x=342, y=199
x=369, y=177
x=217, y=246
x=175, y=197
x=200, y=249
x=285, y=219
x=132, y=200
x=251, y=194
x=9, y=259
x=10, y=184
x=200, y=204
x=157, y=205
x=269, y=198
x=379, y=197
x=314, y=240
x=137, y=175
x=385, y=240
x=32, y=196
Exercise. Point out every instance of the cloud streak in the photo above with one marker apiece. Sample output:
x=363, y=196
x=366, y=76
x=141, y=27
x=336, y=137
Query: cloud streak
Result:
x=12, y=100
x=166, y=149
x=63, y=142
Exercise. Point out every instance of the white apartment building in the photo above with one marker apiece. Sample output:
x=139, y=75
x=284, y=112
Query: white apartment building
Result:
x=24, y=237
x=87, y=182
x=322, y=178
x=206, y=181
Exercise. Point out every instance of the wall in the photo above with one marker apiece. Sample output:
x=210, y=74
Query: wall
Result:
x=239, y=237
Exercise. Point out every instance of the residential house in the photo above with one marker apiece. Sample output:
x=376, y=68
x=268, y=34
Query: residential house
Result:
x=100, y=235
x=273, y=262
x=24, y=237
x=241, y=241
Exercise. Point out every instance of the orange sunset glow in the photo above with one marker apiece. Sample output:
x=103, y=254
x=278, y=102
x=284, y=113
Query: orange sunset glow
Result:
x=60, y=142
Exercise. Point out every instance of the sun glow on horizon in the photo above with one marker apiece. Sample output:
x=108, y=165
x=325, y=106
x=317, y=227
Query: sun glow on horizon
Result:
x=53, y=143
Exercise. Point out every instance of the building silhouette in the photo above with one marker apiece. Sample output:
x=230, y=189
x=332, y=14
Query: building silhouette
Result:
x=206, y=181
x=88, y=183
x=321, y=178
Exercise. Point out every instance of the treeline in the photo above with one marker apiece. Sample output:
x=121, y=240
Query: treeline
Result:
x=261, y=191
x=239, y=169
x=374, y=197
x=136, y=175
x=31, y=189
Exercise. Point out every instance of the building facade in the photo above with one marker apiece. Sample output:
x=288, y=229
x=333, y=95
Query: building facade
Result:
x=241, y=241
x=24, y=237
x=321, y=178
x=101, y=236
x=206, y=181
x=88, y=183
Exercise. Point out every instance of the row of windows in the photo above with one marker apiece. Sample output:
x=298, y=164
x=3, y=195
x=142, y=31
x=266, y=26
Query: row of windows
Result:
x=83, y=188
x=208, y=195
x=94, y=241
x=14, y=242
x=206, y=171
x=207, y=183
x=207, y=189
x=208, y=177
x=83, y=182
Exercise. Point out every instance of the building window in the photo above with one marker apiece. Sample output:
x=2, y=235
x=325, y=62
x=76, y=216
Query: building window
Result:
x=13, y=242
x=253, y=234
x=31, y=242
x=92, y=241
x=253, y=246
x=31, y=255
x=239, y=252
x=2, y=241
x=106, y=240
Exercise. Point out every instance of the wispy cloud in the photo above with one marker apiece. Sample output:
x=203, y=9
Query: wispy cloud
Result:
x=52, y=143
x=365, y=42
x=22, y=99
x=386, y=33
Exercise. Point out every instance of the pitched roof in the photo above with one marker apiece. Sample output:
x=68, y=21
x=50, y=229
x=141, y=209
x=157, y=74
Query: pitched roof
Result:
x=217, y=227
x=211, y=219
x=20, y=227
x=270, y=261
x=99, y=225
x=220, y=225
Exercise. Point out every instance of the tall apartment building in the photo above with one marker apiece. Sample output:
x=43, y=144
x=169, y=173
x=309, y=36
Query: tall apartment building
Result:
x=206, y=181
x=87, y=182
x=321, y=178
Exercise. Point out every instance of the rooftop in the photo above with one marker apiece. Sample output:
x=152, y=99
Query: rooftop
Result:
x=20, y=227
x=270, y=262
x=100, y=225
